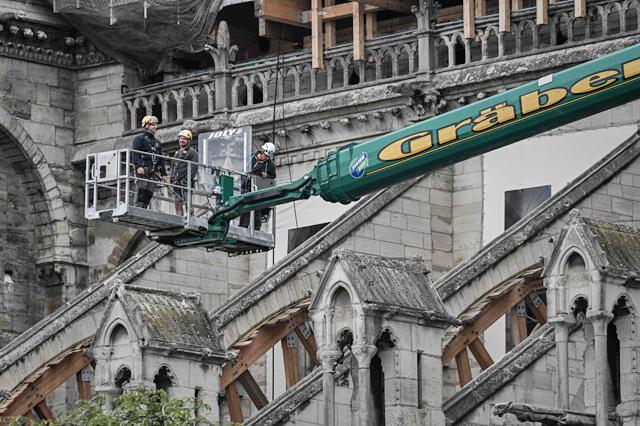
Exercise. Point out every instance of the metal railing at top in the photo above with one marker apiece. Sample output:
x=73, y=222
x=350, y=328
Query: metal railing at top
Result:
x=112, y=185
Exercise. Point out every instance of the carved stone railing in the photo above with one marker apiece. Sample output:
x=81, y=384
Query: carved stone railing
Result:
x=172, y=101
x=605, y=19
x=388, y=58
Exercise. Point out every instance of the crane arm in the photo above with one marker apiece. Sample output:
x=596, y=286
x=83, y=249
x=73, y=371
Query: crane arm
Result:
x=549, y=102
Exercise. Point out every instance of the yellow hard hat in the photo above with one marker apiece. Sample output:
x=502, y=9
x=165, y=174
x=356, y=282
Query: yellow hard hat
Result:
x=149, y=119
x=186, y=133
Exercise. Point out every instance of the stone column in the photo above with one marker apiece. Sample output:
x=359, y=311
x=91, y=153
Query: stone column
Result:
x=110, y=393
x=364, y=352
x=328, y=357
x=600, y=320
x=223, y=83
x=561, y=325
x=425, y=14
x=629, y=408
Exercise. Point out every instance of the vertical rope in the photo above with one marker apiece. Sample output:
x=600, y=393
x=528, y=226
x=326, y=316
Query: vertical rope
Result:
x=273, y=119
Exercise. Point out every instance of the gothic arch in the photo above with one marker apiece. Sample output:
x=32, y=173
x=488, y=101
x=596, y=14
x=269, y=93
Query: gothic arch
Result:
x=47, y=192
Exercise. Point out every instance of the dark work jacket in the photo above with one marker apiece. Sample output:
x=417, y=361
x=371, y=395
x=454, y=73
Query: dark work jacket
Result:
x=179, y=168
x=257, y=167
x=146, y=142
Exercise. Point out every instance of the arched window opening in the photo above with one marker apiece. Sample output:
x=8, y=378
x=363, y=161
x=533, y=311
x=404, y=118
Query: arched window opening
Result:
x=575, y=264
x=580, y=306
x=631, y=19
x=613, y=22
x=258, y=95
x=613, y=358
x=123, y=376
x=377, y=389
x=119, y=336
x=187, y=105
x=345, y=339
x=442, y=54
x=354, y=78
x=162, y=379
x=459, y=53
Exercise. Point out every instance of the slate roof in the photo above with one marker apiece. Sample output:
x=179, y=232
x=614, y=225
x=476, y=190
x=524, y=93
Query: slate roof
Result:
x=170, y=319
x=390, y=284
x=619, y=244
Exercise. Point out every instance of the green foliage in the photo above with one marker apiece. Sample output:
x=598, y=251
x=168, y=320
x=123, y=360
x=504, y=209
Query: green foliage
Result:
x=137, y=407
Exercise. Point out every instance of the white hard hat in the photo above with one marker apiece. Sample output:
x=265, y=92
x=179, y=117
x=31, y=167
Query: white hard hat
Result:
x=268, y=148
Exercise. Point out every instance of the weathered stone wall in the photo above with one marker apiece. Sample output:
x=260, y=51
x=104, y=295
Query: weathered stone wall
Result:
x=98, y=99
x=417, y=223
x=312, y=414
x=537, y=385
x=22, y=298
x=213, y=274
x=41, y=229
x=467, y=198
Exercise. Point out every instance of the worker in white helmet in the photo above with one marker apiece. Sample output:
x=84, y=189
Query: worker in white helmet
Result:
x=262, y=165
x=148, y=165
x=180, y=170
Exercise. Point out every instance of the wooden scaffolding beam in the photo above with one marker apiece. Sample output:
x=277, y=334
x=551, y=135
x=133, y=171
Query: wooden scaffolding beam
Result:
x=519, y=325
x=480, y=354
x=463, y=367
x=43, y=411
x=233, y=402
x=266, y=337
x=403, y=6
x=487, y=316
x=333, y=13
x=317, y=56
x=542, y=12
x=358, y=31
x=329, y=27
x=285, y=11
x=290, y=359
x=310, y=345
x=469, y=18
x=371, y=25
x=504, y=16
x=253, y=390
x=35, y=390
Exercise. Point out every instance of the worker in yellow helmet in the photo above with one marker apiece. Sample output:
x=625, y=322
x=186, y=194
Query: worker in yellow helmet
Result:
x=148, y=166
x=180, y=170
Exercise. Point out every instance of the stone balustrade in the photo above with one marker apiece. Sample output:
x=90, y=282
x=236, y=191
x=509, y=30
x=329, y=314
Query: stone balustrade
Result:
x=388, y=58
x=605, y=19
x=172, y=101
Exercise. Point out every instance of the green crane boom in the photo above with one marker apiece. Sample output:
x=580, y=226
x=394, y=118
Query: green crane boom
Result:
x=358, y=169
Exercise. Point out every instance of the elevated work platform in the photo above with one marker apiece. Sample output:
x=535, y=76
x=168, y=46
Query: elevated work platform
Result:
x=110, y=191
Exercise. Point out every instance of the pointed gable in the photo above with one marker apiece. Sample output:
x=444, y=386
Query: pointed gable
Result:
x=385, y=284
x=162, y=319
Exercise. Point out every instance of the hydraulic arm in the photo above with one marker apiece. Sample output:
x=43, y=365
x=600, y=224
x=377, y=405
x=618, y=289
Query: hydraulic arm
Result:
x=358, y=169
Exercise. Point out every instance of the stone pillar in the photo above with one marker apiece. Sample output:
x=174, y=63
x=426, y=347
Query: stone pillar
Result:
x=600, y=320
x=629, y=408
x=425, y=15
x=363, y=353
x=328, y=357
x=223, y=83
x=561, y=325
x=110, y=393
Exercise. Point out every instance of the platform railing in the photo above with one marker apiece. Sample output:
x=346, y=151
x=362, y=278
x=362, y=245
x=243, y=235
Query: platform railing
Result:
x=111, y=184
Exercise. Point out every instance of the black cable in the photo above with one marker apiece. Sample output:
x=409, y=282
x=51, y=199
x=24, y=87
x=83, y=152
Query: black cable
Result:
x=273, y=121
